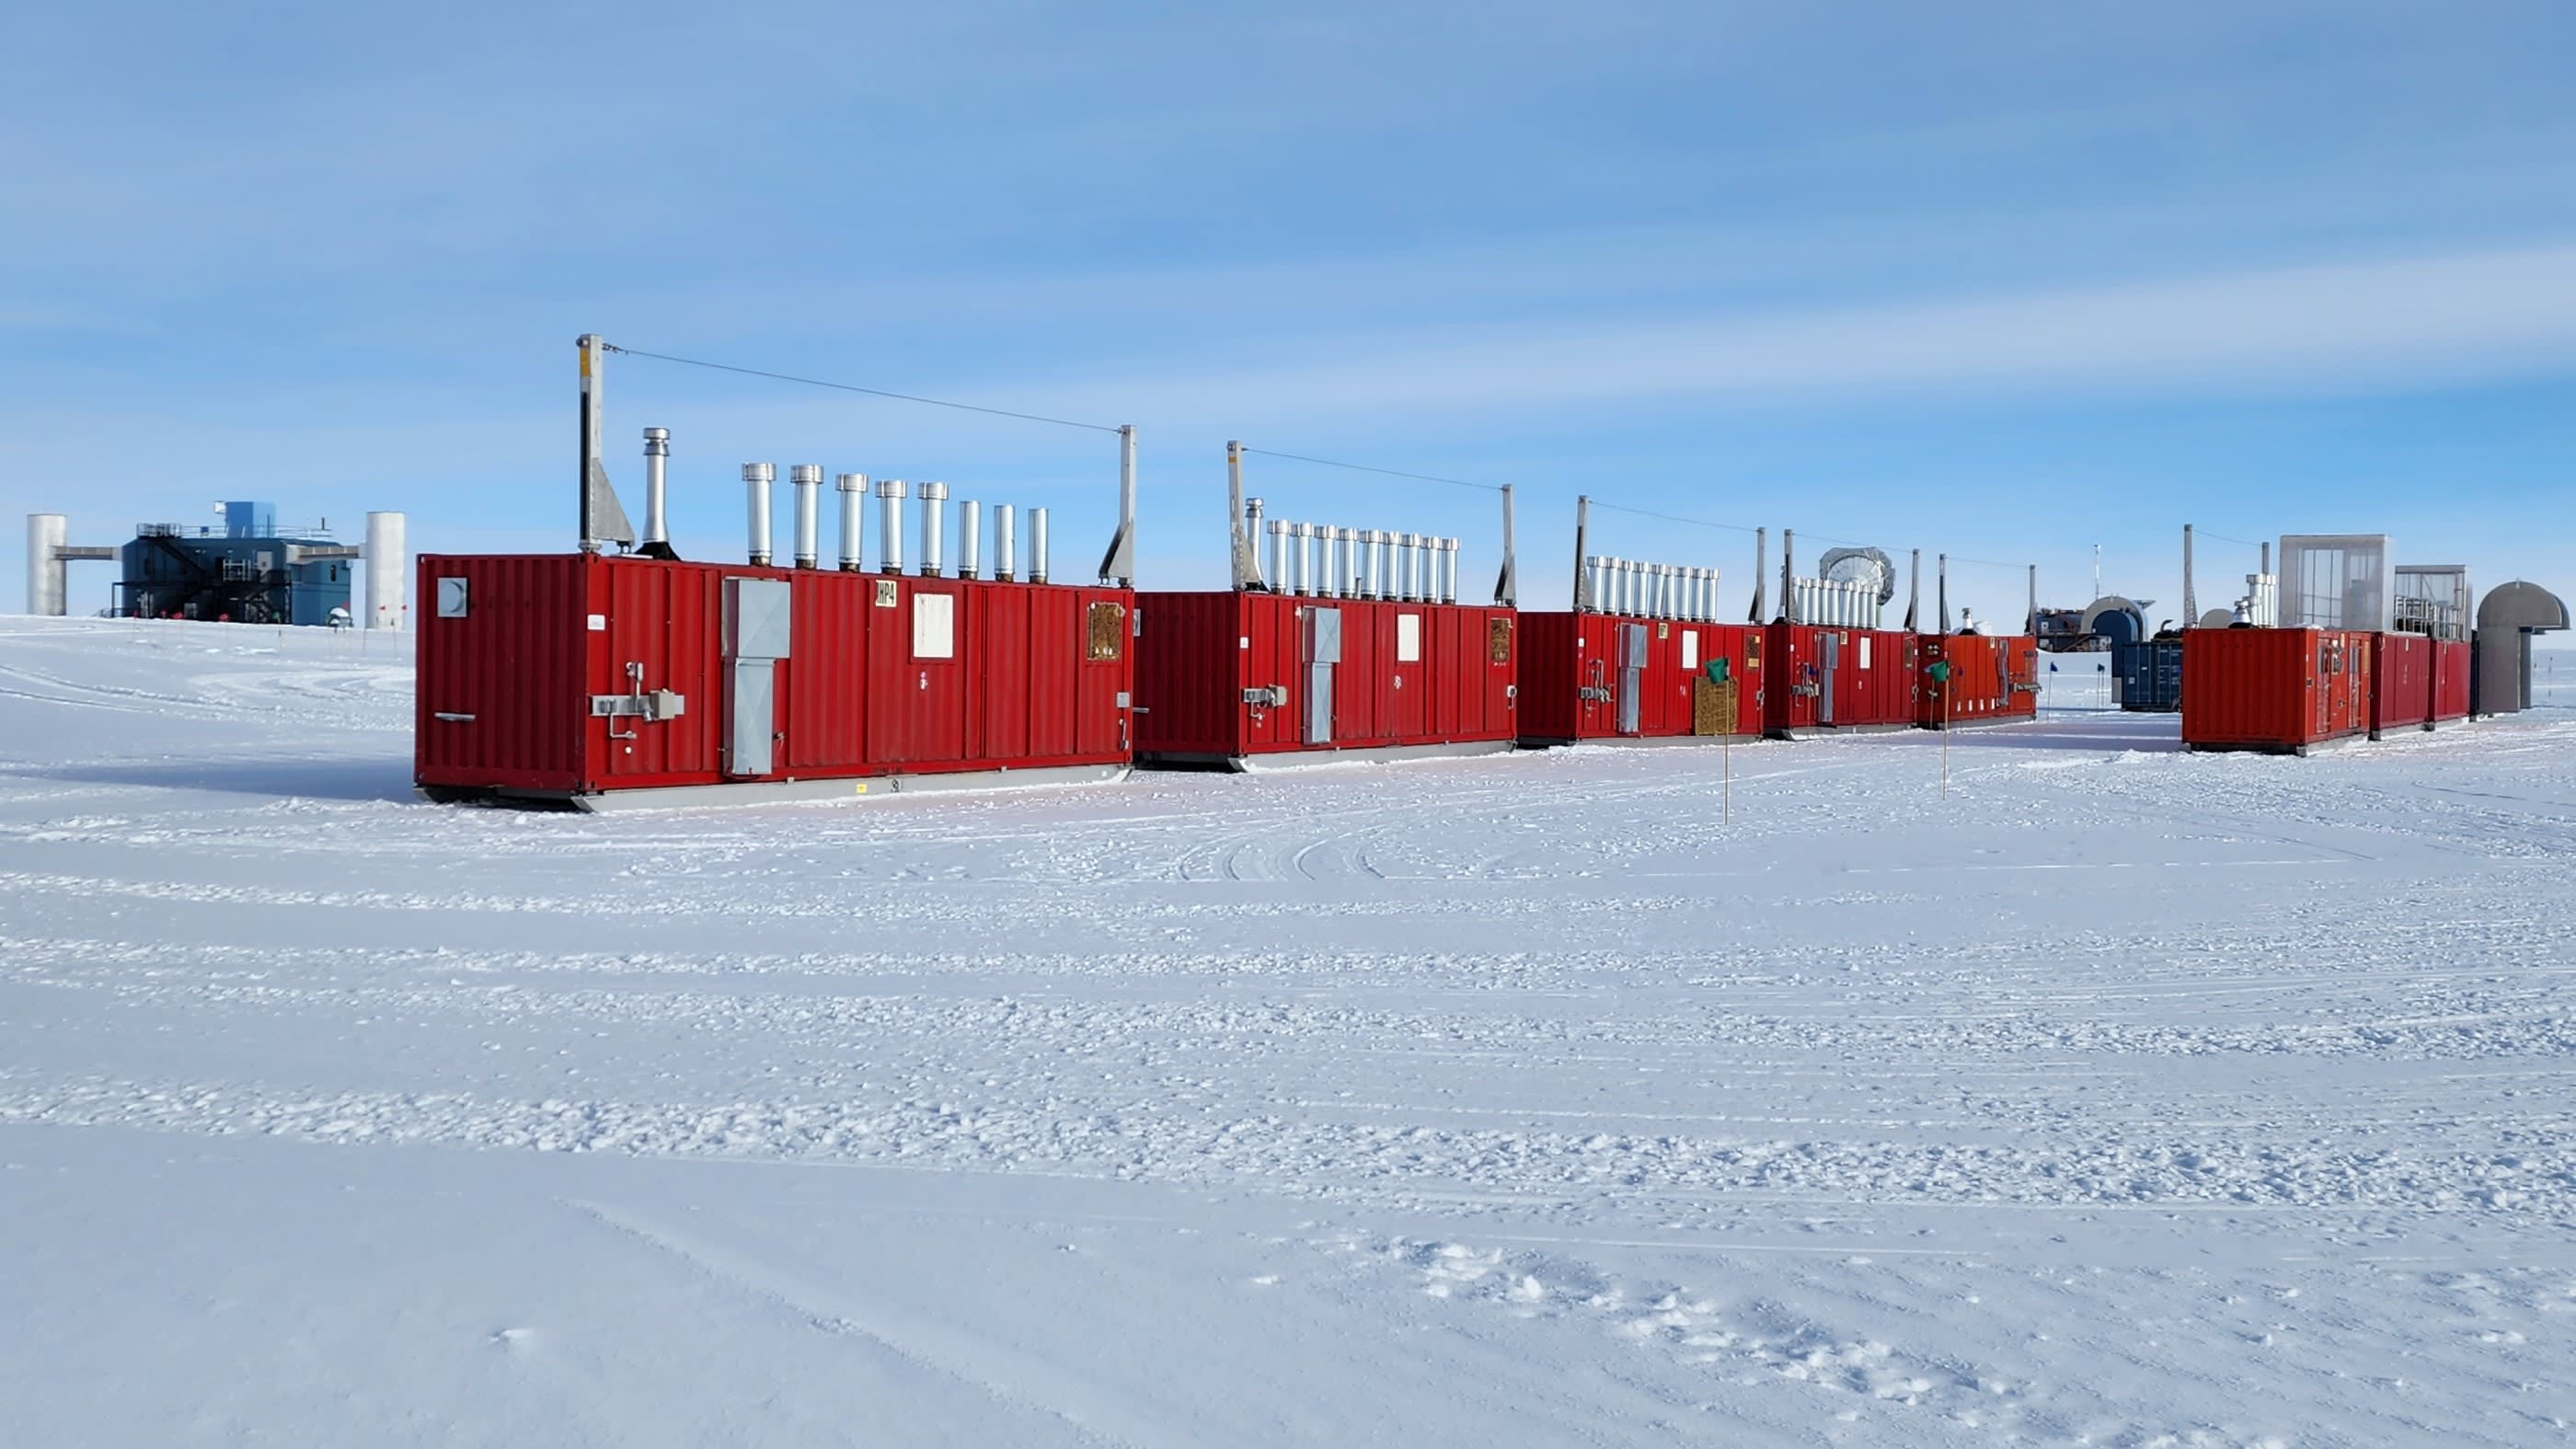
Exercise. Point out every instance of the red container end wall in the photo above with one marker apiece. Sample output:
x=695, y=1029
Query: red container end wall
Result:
x=1993, y=680
x=514, y=649
x=1571, y=682
x=2401, y=683
x=1832, y=677
x=2273, y=689
x=2450, y=679
x=1224, y=676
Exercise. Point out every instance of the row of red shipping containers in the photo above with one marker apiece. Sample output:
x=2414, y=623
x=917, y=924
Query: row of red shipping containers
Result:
x=879, y=676
x=1224, y=678
x=2417, y=681
x=1994, y=679
x=1579, y=672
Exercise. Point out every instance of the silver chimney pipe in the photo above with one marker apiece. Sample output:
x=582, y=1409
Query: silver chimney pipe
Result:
x=1345, y=550
x=1247, y=531
x=1448, y=570
x=1006, y=542
x=1914, y=595
x=1594, y=565
x=657, y=454
x=1297, y=580
x=1944, y=578
x=756, y=478
x=970, y=538
x=1388, y=585
x=1279, y=580
x=853, y=488
x=1037, y=546
x=1789, y=572
x=2190, y=596
x=807, y=480
x=1761, y=574
x=934, y=516
x=2030, y=624
x=1328, y=574
x=890, y=525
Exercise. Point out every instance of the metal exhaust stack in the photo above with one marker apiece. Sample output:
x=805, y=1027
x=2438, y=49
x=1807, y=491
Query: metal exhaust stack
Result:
x=970, y=538
x=1448, y=570
x=1037, y=545
x=1589, y=583
x=603, y=519
x=1118, y=566
x=1944, y=578
x=807, y=479
x=2030, y=624
x=657, y=456
x=2190, y=596
x=890, y=525
x=1327, y=583
x=1761, y=573
x=756, y=478
x=1247, y=531
x=1507, y=584
x=385, y=571
x=1278, y=556
x=1298, y=580
x=1585, y=585
x=853, y=488
x=933, y=517
x=1006, y=542
x=1789, y=573
x=1914, y=595
x=1346, y=560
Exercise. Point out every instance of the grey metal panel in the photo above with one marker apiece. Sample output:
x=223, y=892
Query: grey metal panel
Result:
x=1829, y=656
x=1323, y=636
x=756, y=614
x=1632, y=674
x=750, y=717
x=1319, y=703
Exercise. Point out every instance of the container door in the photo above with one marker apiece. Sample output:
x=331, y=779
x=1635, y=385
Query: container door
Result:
x=756, y=615
x=1323, y=650
x=1632, y=674
x=1829, y=660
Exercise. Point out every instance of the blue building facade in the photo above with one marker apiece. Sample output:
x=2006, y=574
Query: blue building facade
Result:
x=245, y=571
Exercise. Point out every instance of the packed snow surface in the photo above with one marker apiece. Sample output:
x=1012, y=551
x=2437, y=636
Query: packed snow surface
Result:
x=1608, y=1096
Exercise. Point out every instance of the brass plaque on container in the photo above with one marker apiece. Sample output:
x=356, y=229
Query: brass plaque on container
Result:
x=1712, y=707
x=1498, y=640
x=1105, y=631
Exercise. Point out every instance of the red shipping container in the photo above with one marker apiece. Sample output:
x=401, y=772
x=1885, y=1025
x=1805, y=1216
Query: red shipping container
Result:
x=591, y=679
x=1994, y=679
x=1578, y=681
x=2451, y=658
x=2278, y=690
x=1226, y=677
x=2401, y=682
x=1824, y=677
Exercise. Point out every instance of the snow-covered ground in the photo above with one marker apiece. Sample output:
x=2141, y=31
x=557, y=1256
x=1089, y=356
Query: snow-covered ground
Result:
x=2119, y=1096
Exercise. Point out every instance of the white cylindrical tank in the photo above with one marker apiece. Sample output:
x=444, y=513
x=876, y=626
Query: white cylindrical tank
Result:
x=48, y=584
x=387, y=569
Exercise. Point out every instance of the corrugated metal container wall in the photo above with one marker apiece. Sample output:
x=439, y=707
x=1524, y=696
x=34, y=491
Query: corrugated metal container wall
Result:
x=992, y=677
x=2451, y=664
x=2273, y=689
x=499, y=693
x=2401, y=683
x=1226, y=675
x=1993, y=679
x=1839, y=678
x=1572, y=682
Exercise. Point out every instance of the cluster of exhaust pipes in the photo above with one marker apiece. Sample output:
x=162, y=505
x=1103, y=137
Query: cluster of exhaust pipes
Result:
x=1850, y=604
x=1323, y=561
x=807, y=480
x=1654, y=591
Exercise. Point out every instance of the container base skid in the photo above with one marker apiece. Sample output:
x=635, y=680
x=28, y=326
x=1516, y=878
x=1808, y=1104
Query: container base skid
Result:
x=1305, y=759
x=1985, y=722
x=1740, y=737
x=2301, y=751
x=1826, y=732
x=773, y=792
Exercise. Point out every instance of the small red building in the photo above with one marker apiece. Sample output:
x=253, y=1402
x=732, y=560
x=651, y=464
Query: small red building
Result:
x=1833, y=678
x=1587, y=676
x=2283, y=691
x=1993, y=679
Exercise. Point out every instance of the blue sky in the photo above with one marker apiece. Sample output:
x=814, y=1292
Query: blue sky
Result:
x=2003, y=280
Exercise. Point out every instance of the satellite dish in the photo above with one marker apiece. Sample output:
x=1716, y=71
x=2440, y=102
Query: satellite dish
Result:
x=2217, y=618
x=1859, y=566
